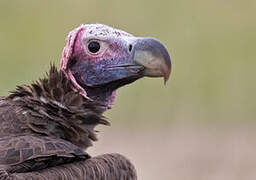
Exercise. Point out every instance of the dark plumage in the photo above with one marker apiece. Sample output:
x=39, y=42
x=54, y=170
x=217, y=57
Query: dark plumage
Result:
x=46, y=118
x=105, y=167
x=46, y=127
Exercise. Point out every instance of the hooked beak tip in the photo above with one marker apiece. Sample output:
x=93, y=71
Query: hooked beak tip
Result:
x=154, y=57
x=166, y=75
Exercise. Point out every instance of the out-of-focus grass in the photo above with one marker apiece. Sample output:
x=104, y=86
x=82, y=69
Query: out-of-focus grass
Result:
x=212, y=44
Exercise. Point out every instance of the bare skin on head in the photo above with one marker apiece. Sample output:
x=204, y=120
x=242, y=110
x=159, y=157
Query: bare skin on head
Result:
x=51, y=122
x=101, y=59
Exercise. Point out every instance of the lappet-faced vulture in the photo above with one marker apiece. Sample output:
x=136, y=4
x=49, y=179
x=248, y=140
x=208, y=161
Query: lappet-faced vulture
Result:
x=46, y=127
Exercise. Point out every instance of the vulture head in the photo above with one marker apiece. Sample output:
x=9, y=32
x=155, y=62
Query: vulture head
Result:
x=99, y=59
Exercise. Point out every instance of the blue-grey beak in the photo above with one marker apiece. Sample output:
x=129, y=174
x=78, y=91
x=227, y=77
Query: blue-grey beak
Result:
x=153, y=56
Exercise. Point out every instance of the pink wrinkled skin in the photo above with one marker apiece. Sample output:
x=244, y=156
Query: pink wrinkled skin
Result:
x=74, y=45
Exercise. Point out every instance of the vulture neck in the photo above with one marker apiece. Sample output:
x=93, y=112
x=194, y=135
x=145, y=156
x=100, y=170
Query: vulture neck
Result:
x=55, y=109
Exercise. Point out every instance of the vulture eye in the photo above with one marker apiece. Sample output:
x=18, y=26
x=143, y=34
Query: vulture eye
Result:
x=94, y=47
x=130, y=48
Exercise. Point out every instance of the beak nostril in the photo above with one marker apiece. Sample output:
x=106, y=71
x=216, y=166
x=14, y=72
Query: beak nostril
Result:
x=130, y=47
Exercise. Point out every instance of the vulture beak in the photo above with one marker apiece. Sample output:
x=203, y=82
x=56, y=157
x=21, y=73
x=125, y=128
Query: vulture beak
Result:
x=143, y=57
x=123, y=60
x=153, y=56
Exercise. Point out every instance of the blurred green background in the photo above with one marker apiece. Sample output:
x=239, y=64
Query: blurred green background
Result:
x=212, y=45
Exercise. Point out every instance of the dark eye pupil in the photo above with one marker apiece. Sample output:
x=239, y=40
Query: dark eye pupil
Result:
x=94, y=46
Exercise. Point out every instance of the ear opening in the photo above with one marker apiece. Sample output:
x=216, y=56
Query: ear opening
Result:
x=67, y=57
x=66, y=61
x=68, y=49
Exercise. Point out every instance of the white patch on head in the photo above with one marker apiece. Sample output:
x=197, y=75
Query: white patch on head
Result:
x=89, y=31
x=102, y=32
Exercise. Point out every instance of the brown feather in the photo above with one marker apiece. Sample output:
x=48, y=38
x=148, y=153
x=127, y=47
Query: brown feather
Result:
x=47, y=124
x=66, y=113
x=105, y=167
